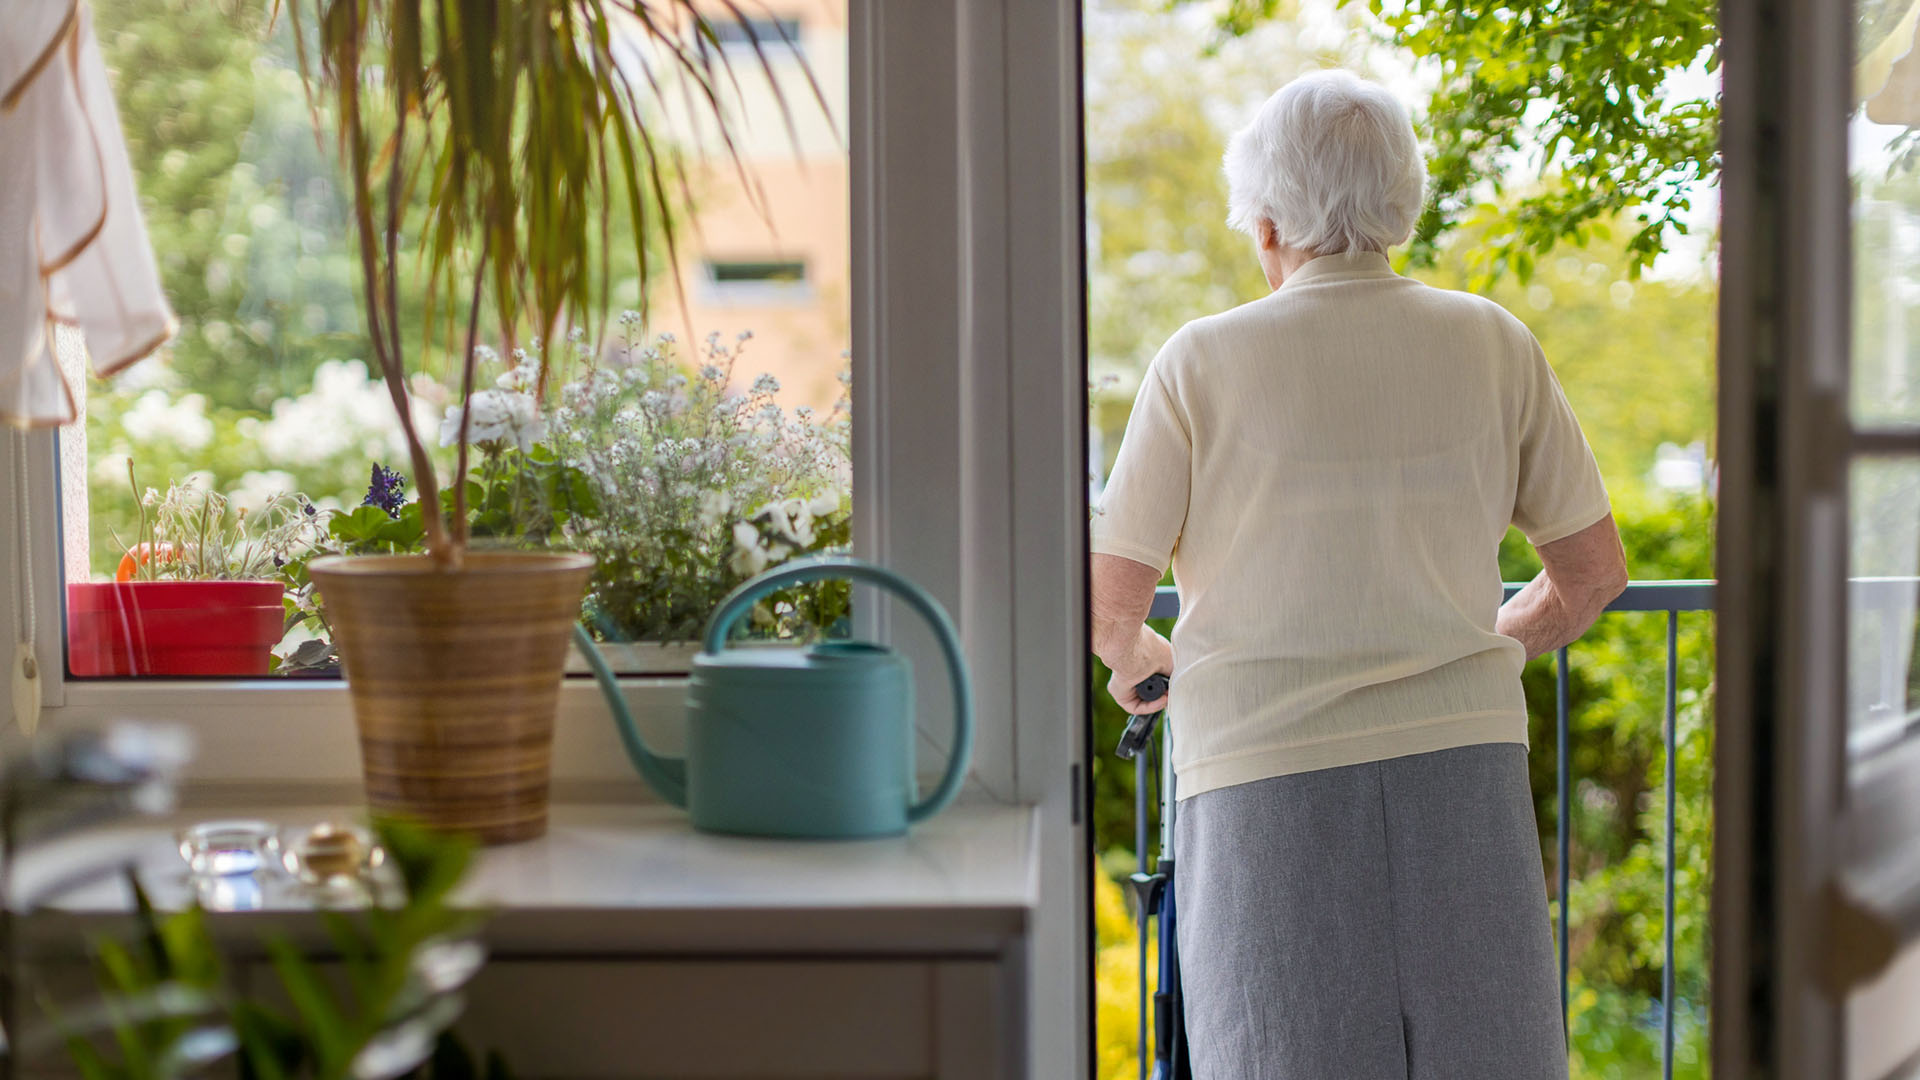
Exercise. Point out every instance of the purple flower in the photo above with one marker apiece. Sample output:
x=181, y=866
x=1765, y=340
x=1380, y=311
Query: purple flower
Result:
x=386, y=490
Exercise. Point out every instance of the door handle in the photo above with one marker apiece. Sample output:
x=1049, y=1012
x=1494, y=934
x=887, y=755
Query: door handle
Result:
x=1874, y=912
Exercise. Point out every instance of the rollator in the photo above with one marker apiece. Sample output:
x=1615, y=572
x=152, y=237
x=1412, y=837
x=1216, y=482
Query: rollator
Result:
x=1153, y=891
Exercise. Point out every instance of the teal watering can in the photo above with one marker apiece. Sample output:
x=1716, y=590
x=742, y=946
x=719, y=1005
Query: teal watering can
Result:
x=804, y=742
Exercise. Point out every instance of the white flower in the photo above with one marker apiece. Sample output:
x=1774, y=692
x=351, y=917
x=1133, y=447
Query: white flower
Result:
x=800, y=522
x=790, y=520
x=521, y=378
x=804, y=412
x=110, y=470
x=766, y=384
x=499, y=416
x=347, y=411
x=157, y=416
x=256, y=489
x=824, y=503
x=711, y=373
x=749, y=557
x=714, y=505
x=775, y=515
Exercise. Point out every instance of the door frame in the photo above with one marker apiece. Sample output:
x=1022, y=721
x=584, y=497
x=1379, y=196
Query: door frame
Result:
x=1814, y=919
x=969, y=345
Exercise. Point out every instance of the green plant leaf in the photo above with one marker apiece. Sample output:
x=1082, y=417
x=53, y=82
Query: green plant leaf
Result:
x=326, y=1029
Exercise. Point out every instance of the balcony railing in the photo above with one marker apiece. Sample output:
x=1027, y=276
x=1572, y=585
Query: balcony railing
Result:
x=1671, y=597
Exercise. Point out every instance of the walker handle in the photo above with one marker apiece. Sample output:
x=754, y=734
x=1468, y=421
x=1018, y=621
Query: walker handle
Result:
x=1140, y=727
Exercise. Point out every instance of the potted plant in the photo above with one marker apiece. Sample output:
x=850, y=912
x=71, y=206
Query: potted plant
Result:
x=520, y=121
x=197, y=593
x=679, y=485
x=682, y=488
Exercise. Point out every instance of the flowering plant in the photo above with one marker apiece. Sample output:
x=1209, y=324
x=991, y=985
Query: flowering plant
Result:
x=696, y=487
x=679, y=486
x=192, y=533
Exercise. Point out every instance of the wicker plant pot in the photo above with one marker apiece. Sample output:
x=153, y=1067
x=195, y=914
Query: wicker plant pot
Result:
x=455, y=677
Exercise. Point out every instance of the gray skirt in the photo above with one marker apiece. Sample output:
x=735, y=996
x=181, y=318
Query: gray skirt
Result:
x=1381, y=921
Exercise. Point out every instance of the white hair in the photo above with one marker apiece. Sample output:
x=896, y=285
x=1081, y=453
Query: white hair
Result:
x=1332, y=162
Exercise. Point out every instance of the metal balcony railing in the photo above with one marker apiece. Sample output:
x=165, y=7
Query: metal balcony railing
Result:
x=1671, y=597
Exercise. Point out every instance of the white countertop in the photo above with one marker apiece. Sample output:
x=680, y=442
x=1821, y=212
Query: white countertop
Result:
x=610, y=879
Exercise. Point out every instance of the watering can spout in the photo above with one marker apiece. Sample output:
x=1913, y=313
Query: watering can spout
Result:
x=667, y=776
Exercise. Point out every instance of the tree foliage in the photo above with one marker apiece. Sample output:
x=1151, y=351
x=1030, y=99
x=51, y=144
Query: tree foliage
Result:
x=244, y=210
x=1550, y=120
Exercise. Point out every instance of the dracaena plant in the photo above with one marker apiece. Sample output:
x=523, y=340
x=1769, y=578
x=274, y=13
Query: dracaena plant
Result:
x=525, y=125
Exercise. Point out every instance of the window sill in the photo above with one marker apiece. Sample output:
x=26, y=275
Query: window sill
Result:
x=637, y=880
x=276, y=741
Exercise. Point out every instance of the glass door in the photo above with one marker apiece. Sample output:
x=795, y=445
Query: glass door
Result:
x=1817, y=904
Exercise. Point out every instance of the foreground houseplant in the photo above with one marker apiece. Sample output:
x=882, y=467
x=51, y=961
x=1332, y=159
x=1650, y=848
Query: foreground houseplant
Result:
x=198, y=592
x=519, y=121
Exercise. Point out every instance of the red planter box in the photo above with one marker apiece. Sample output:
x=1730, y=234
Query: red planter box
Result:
x=173, y=627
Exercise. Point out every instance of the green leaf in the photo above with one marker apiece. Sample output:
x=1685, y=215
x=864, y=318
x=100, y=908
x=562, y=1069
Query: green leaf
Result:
x=325, y=1027
x=359, y=527
x=271, y=1046
x=451, y=1059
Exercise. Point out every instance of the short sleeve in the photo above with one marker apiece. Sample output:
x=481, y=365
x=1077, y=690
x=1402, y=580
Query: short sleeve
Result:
x=1560, y=490
x=1144, y=505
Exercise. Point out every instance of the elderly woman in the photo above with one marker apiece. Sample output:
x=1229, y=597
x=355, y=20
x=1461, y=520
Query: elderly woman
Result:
x=1329, y=470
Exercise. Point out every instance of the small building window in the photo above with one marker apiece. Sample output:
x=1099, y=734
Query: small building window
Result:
x=770, y=33
x=757, y=282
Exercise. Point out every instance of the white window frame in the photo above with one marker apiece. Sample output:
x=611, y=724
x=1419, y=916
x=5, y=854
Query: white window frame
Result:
x=969, y=447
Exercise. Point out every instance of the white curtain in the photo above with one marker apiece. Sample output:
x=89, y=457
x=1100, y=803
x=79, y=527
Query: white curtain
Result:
x=73, y=247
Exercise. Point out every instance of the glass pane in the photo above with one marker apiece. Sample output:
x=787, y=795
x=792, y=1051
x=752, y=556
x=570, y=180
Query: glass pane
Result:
x=1886, y=215
x=1883, y=682
x=660, y=445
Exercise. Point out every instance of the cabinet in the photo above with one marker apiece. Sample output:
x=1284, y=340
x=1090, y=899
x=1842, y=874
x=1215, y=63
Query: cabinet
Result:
x=626, y=945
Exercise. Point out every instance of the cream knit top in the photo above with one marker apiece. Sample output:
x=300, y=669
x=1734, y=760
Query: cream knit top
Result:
x=1330, y=470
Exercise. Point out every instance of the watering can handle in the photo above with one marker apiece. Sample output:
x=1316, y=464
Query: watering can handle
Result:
x=826, y=567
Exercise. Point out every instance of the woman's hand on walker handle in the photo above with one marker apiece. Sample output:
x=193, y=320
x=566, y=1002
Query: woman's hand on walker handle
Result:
x=1122, y=597
x=1151, y=654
